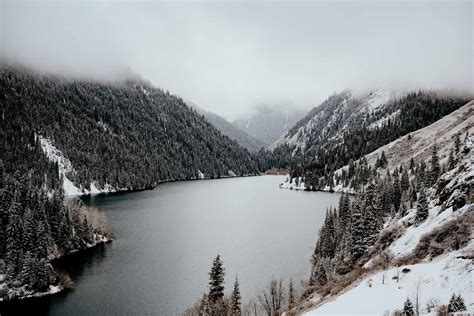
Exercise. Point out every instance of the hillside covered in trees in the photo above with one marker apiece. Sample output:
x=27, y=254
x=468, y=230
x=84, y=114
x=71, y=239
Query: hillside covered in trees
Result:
x=344, y=128
x=125, y=135
x=115, y=136
x=232, y=131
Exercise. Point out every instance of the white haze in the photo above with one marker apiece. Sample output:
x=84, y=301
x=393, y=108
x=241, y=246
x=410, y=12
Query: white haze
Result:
x=232, y=56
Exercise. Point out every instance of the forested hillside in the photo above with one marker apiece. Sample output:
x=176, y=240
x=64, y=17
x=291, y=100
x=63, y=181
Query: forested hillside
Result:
x=124, y=135
x=344, y=128
x=230, y=130
x=119, y=136
x=379, y=252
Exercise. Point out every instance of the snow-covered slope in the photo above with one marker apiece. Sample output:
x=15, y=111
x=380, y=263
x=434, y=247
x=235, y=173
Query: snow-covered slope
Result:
x=418, y=145
x=432, y=276
x=434, y=282
x=65, y=167
x=335, y=115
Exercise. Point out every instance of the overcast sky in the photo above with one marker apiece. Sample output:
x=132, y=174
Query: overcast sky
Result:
x=229, y=57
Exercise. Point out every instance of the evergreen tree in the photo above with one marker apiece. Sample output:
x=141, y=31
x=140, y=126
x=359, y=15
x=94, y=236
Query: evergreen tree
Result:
x=457, y=144
x=42, y=277
x=319, y=276
x=412, y=164
x=291, y=295
x=370, y=220
x=344, y=210
x=408, y=309
x=435, y=170
x=236, y=299
x=451, y=160
x=358, y=232
x=28, y=273
x=14, y=237
x=216, y=280
x=405, y=181
x=29, y=231
x=456, y=304
x=421, y=208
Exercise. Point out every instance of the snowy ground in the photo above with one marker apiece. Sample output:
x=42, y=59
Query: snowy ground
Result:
x=436, y=281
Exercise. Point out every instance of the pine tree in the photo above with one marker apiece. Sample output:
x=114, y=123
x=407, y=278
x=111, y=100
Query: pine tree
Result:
x=14, y=237
x=319, y=275
x=344, y=210
x=456, y=304
x=404, y=182
x=42, y=277
x=28, y=272
x=412, y=164
x=421, y=209
x=435, y=170
x=291, y=295
x=236, y=299
x=451, y=160
x=408, y=309
x=370, y=219
x=358, y=232
x=216, y=280
x=29, y=231
x=457, y=144
x=396, y=193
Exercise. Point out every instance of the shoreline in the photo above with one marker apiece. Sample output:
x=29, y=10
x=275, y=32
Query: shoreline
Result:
x=156, y=184
x=60, y=286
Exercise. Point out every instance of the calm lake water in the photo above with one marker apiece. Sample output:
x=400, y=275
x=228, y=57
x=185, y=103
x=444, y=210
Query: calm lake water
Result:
x=166, y=238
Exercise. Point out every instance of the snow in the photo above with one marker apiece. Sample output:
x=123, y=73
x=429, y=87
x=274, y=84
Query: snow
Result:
x=145, y=92
x=438, y=280
x=64, y=165
x=378, y=98
x=291, y=184
x=201, y=175
x=412, y=235
x=69, y=188
x=54, y=289
x=419, y=146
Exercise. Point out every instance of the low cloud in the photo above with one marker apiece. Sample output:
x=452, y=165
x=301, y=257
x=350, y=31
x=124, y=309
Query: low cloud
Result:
x=230, y=57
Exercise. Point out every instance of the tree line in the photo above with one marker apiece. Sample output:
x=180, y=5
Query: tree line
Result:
x=340, y=133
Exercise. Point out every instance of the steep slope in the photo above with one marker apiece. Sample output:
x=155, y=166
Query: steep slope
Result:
x=115, y=136
x=339, y=113
x=268, y=124
x=344, y=128
x=425, y=261
x=417, y=145
x=230, y=130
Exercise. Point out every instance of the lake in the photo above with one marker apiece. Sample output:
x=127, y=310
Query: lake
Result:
x=166, y=238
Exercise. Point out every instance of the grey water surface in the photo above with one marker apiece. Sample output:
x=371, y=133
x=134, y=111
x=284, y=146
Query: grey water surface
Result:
x=166, y=238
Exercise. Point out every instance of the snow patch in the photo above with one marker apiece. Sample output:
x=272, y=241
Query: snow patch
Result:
x=64, y=165
x=293, y=184
x=201, y=175
x=379, y=293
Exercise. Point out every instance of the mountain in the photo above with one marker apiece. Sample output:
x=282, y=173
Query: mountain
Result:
x=126, y=135
x=68, y=136
x=375, y=257
x=228, y=129
x=268, y=124
x=346, y=127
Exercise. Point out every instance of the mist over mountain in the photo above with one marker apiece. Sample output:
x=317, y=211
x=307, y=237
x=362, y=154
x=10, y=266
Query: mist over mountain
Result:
x=268, y=123
x=229, y=129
